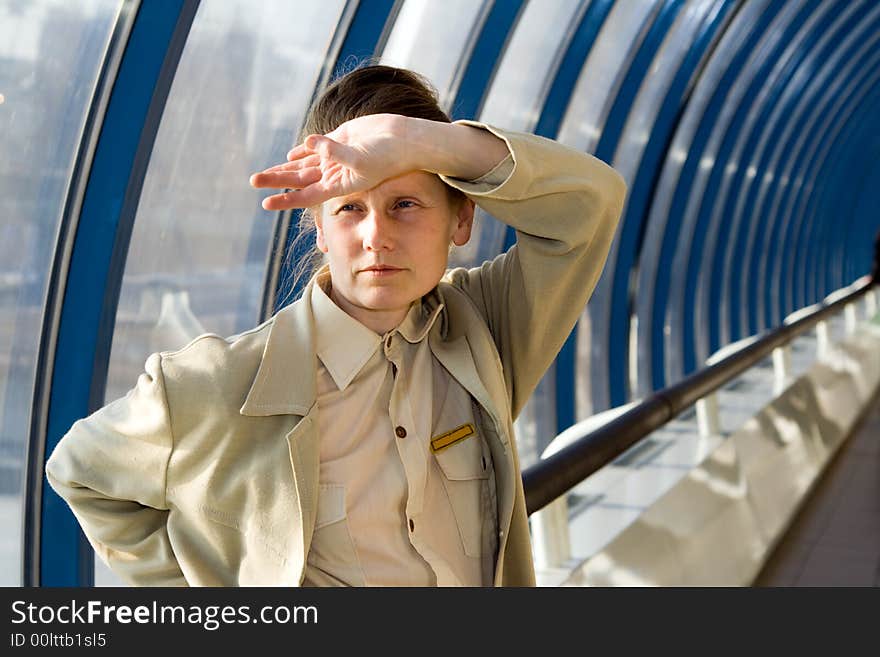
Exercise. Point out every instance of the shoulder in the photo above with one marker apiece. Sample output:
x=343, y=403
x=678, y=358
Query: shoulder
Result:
x=210, y=354
x=459, y=305
x=216, y=370
x=463, y=314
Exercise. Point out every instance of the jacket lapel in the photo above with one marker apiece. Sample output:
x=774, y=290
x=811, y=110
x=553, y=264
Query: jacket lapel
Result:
x=290, y=347
x=303, y=445
x=464, y=347
x=470, y=351
x=285, y=385
x=456, y=357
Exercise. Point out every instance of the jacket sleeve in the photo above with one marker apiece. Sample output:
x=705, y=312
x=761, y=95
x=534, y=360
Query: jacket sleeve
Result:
x=564, y=206
x=111, y=469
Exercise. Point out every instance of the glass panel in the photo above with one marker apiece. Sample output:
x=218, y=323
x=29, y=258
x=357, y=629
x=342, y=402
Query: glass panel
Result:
x=201, y=239
x=526, y=70
x=581, y=127
x=789, y=124
x=650, y=267
x=50, y=55
x=736, y=185
x=676, y=44
x=630, y=151
x=430, y=38
x=606, y=65
x=738, y=178
x=515, y=98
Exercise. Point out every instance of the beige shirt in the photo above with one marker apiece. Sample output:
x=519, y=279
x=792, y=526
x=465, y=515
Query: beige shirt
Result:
x=404, y=473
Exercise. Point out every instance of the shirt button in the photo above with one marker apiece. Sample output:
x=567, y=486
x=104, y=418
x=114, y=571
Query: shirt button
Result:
x=412, y=525
x=401, y=432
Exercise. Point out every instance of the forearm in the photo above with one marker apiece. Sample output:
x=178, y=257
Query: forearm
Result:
x=451, y=149
x=130, y=538
x=111, y=468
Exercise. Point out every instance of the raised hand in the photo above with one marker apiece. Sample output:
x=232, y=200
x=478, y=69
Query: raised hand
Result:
x=358, y=155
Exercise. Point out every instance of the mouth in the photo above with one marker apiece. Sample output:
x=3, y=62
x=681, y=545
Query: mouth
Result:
x=381, y=270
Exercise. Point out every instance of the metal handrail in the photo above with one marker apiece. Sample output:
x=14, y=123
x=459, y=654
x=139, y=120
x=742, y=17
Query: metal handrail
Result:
x=553, y=476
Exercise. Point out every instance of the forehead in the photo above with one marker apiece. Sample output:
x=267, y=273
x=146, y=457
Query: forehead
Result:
x=411, y=183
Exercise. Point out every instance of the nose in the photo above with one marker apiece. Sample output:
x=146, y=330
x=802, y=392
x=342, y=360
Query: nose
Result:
x=377, y=230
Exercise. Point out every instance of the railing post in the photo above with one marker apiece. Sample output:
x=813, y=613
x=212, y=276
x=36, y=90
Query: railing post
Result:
x=849, y=314
x=781, y=368
x=551, y=539
x=870, y=304
x=708, y=416
x=823, y=342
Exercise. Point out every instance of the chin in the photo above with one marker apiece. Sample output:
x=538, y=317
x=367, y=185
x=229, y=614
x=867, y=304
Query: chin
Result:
x=385, y=299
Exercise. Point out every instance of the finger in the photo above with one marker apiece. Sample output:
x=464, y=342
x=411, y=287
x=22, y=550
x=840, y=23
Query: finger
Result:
x=298, y=198
x=302, y=163
x=280, y=179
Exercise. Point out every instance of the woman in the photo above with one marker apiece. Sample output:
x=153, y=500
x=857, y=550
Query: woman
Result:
x=363, y=435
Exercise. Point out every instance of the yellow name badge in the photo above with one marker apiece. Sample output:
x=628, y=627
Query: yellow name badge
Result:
x=449, y=438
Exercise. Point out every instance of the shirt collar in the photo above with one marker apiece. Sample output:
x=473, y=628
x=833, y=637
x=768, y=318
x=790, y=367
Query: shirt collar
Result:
x=420, y=318
x=335, y=327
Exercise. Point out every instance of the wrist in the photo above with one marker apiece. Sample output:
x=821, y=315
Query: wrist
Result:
x=424, y=145
x=450, y=149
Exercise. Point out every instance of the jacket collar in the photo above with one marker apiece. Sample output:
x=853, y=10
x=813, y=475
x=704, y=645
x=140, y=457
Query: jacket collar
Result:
x=290, y=348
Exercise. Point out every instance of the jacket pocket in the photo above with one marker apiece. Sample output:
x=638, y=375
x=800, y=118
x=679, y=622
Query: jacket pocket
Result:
x=465, y=474
x=332, y=551
x=244, y=541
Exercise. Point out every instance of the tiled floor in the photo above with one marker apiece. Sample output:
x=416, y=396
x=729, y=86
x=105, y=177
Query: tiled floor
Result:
x=835, y=538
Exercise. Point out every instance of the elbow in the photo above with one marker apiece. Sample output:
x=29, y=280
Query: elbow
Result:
x=605, y=193
x=619, y=190
x=615, y=191
x=604, y=203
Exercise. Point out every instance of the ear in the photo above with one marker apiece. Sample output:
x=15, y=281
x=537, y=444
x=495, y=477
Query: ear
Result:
x=464, y=223
x=319, y=232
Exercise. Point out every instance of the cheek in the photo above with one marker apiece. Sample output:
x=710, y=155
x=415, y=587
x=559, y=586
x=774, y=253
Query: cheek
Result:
x=434, y=248
x=339, y=243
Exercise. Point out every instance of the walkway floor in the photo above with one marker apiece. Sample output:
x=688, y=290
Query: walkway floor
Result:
x=835, y=538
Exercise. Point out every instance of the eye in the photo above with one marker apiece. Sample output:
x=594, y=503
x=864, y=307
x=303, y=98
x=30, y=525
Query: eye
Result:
x=348, y=207
x=405, y=203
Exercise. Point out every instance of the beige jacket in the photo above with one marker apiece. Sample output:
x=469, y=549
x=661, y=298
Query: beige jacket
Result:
x=206, y=473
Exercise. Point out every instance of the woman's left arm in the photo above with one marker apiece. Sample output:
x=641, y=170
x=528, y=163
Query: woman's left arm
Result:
x=564, y=206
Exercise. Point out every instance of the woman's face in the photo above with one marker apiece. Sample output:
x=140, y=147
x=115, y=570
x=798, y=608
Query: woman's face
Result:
x=389, y=245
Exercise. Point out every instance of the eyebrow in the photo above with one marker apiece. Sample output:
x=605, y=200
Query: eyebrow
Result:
x=396, y=194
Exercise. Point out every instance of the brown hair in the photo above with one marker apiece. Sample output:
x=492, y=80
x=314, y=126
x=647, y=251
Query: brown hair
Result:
x=368, y=89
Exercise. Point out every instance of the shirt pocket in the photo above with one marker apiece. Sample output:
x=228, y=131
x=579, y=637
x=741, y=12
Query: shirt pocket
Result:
x=465, y=476
x=333, y=550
